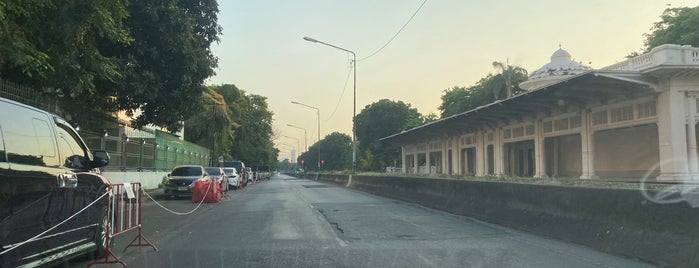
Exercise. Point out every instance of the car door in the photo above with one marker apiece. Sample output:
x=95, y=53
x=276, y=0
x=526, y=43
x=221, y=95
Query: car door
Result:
x=79, y=188
x=27, y=181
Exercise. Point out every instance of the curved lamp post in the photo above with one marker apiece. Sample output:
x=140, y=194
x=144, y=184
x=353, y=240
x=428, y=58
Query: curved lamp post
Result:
x=305, y=138
x=354, y=109
x=318, y=113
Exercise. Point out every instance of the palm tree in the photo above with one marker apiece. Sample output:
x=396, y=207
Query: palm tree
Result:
x=508, y=78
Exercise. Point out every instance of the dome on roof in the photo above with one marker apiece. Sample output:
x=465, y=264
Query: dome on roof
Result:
x=560, y=67
x=561, y=55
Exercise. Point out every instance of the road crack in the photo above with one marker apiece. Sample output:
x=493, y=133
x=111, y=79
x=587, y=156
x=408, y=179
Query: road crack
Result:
x=333, y=224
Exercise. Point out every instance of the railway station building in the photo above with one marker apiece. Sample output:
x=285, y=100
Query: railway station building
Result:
x=633, y=119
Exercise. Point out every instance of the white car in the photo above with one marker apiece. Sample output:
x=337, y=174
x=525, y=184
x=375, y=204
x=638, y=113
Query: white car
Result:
x=234, y=181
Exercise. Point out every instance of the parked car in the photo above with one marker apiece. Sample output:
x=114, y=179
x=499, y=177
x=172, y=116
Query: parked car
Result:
x=47, y=174
x=249, y=175
x=265, y=173
x=216, y=173
x=234, y=181
x=181, y=180
x=240, y=167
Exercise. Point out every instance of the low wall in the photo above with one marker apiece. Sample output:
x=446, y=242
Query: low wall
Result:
x=148, y=179
x=617, y=221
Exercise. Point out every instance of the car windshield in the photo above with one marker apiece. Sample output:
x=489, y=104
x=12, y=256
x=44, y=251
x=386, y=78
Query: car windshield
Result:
x=186, y=171
x=229, y=170
x=213, y=171
x=235, y=164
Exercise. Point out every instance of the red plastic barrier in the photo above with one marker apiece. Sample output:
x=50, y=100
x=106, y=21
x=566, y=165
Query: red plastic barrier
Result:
x=199, y=192
x=124, y=215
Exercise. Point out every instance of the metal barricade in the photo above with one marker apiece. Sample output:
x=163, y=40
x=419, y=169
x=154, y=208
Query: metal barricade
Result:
x=124, y=215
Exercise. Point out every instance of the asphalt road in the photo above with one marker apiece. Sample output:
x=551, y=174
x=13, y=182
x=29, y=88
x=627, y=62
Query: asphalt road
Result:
x=289, y=222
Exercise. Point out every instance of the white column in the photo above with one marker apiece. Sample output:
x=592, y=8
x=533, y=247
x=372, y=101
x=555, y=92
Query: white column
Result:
x=403, y=159
x=415, y=162
x=587, y=140
x=445, y=158
x=539, y=150
x=498, y=153
x=481, y=161
x=456, y=151
x=691, y=102
x=672, y=136
x=428, y=160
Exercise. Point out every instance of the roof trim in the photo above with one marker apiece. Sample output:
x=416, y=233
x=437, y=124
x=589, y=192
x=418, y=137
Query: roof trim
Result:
x=626, y=77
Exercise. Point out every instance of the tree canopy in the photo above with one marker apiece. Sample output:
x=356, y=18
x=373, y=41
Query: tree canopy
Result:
x=380, y=119
x=335, y=151
x=678, y=25
x=490, y=88
x=253, y=137
x=212, y=125
x=104, y=56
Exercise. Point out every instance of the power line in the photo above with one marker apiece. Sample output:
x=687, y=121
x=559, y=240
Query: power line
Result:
x=341, y=95
x=394, y=36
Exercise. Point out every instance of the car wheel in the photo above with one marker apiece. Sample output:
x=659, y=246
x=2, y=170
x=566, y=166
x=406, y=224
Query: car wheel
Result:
x=100, y=236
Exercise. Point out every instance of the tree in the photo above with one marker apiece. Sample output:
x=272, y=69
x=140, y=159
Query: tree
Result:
x=164, y=68
x=55, y=47
x=506, y=81
x=487, y=90
x=149, y=58
x=381, y=119
x=253, y=136
x=678, y=25
x=336, y=153
x=212, y=125
x=56, y=43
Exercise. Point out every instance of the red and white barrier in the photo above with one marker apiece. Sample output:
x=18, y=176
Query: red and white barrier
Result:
x=124, y=215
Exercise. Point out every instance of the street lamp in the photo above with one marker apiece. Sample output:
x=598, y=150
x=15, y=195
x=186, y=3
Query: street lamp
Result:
x=305, y=138
x=291, y=149
x=298, y=142
x=354, y=107
x=318, y=113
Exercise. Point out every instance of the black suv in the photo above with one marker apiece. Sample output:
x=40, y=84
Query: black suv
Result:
x=47, y=174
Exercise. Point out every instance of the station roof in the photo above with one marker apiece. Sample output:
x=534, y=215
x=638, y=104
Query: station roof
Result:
x=576, y=92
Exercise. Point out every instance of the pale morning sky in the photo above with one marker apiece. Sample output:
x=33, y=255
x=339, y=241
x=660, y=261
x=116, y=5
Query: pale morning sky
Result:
x=448, y=43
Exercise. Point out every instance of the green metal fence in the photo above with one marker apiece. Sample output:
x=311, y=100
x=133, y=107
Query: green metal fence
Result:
x=128, y=148
x=162, y=151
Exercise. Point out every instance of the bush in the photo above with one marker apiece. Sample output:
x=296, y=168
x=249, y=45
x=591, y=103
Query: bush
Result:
x=162, y=182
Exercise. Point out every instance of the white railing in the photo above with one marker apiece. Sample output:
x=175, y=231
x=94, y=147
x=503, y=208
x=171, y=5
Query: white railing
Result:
x=394, y=170
x=673, y=55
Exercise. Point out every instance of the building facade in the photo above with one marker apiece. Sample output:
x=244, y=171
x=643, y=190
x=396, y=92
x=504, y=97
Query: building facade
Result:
x=631, y=120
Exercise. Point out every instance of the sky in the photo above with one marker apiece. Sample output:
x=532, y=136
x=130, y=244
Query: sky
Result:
x=448, y=43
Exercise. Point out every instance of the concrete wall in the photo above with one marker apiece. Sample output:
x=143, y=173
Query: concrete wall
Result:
x=149, y=180
x=616, y=221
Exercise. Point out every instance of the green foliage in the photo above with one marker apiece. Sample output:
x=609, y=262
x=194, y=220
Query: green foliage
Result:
x=55, y=47
x=212, y=124
x=678, y=25
x=162, y=182
x=164, y=68
x=248, y=134
x=98, y=57
x=335, y=149
x=489, y=89
x=380, y=119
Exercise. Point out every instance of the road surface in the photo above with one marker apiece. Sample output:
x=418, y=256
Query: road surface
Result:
x=290, y=222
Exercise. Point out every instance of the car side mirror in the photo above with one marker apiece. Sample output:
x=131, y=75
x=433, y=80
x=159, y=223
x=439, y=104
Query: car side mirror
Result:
x=101, y=159
x=168, y=174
